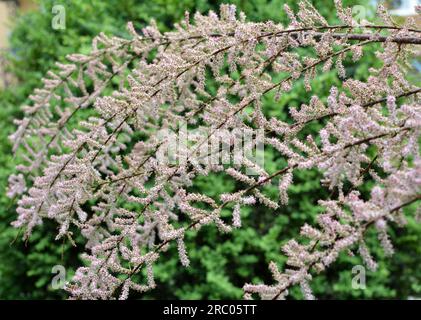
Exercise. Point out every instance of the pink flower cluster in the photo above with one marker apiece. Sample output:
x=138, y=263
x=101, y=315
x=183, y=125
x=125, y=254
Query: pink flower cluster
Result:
x=89, y=177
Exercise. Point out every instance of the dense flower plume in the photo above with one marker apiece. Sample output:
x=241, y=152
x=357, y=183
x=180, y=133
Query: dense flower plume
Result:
x=101, y=172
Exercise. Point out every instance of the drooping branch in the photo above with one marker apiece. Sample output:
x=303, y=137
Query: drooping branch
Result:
x=213, y=74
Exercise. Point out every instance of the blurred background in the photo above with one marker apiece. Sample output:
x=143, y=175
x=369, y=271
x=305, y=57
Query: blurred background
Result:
x=220, y=264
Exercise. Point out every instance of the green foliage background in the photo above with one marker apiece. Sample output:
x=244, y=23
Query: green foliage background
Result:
x=220, y=264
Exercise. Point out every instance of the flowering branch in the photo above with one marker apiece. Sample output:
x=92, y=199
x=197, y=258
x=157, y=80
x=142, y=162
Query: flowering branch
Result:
x=210, y=76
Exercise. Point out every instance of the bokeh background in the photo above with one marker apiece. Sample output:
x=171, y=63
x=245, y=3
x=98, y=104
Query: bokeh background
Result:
x=220, y=264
